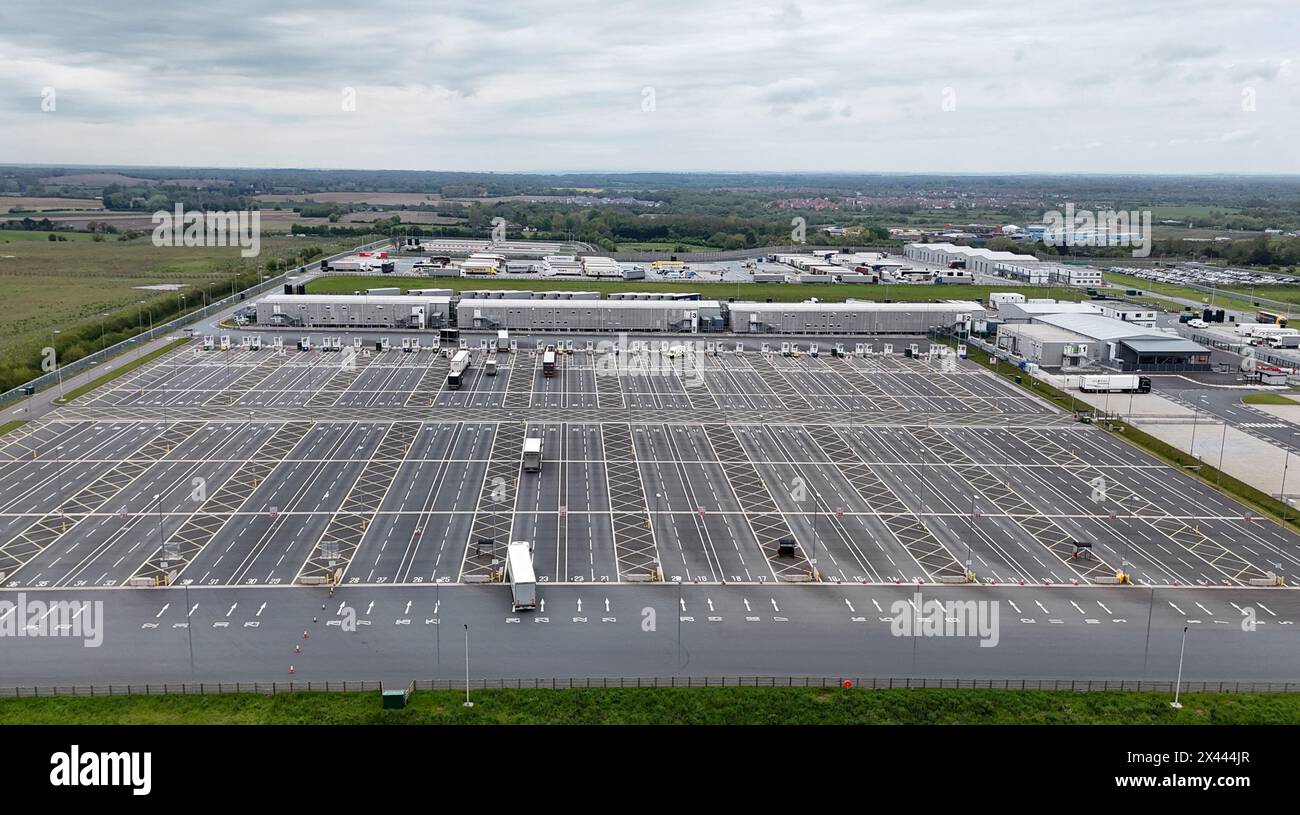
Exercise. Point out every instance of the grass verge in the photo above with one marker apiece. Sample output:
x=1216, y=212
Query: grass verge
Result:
x=14, y=425
x=1268, y=398
x=126, y=367
x=667, y=706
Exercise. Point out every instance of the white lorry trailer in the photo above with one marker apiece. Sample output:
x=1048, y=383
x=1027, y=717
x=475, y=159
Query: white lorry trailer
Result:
x=1115, y=383
x=532, y=454
x=519, y=573
x=459, y=364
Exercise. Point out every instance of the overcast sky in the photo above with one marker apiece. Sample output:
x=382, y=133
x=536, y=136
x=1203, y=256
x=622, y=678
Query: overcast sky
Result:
x=1161, y=86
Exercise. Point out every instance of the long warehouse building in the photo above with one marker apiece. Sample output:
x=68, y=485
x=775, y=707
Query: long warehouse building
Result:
x=853, y=317
x=680, y=316
x=354, y=311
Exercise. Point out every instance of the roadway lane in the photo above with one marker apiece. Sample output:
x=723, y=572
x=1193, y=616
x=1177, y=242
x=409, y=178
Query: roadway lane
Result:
x=248, y=634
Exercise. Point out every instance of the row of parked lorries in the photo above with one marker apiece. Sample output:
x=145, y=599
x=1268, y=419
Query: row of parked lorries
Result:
x=1268, y=335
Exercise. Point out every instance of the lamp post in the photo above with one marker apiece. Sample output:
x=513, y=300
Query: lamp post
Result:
x=58, y=366
x=468, y=703
x=139, y=328
x=1176, y=705
x=1282, y=495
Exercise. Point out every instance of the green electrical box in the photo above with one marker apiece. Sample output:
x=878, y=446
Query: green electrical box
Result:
x=394, y=698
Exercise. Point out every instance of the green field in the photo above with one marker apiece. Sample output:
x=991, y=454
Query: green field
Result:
x=667, y=706
x=1190, y=212
x=665, y=246
x=15, y=235
x=67, y=286
x=778, y=292
x=1285, y=294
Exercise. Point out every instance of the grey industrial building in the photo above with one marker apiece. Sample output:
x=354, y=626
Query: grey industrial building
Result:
x=1046, y=345
x=592, y=315
x=853, y=317
x=1131, y=347
x=354, y=311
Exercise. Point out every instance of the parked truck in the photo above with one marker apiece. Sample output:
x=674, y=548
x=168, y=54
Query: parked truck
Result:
x=519, y=573
x=503, y=340
x=456, y=371
x=1115, y=383
x=532, y=454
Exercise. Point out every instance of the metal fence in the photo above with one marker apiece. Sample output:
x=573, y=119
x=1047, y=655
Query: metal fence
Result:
x=629, y=682
x=162, y=329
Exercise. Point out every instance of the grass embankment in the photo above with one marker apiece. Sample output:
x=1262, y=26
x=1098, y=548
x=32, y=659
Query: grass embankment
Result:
x=1243, y=492
x=124, y=368
x=667, y=706
x=1268, y=398
x=1220, y=300
x=778, y=292
x=1285, y=294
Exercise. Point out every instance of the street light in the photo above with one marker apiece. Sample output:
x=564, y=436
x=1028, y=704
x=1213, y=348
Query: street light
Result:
x=1176, y=705
x=468, y=703
x=58, y=366
x=1282, y=495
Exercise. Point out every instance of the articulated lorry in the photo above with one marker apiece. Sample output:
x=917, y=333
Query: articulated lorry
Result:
x=1115, y=383
x=456, y=371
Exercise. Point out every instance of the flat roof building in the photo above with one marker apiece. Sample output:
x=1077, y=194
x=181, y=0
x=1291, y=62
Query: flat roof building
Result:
x=679, y=316
x=353, y=311
x=852, y=317
x=1046, y=345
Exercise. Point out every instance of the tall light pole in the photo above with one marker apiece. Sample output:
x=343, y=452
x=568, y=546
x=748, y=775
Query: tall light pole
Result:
x=1176, y=705
x=468, y=703
x=1223, y=442
x=101, y=331
x=139, y=328
x=1282, y=495
x=189, y=630
x=58, y=366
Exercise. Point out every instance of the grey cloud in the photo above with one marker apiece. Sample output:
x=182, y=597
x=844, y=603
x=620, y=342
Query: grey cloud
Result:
x=462, y=84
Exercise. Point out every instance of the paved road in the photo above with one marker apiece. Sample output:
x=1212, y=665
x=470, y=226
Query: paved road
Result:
x=417, y=632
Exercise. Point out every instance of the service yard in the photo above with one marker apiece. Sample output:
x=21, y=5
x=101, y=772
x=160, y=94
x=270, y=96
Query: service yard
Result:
x=223, y=494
